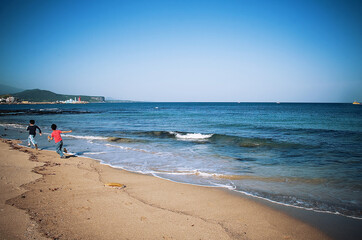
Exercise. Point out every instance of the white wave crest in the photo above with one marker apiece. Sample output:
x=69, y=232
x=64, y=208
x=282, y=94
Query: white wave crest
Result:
x=121, y=147
x=190, y=172
x=192, y=136
x=85, y=137
x=94, y=153
x=12, y=125
x=48, y=109
x=130, y=149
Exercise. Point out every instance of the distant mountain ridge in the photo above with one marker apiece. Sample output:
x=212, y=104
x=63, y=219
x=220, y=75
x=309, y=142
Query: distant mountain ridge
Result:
x=5, y=89
x=38, y=95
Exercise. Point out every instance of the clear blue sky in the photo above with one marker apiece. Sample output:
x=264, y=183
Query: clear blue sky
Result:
x=225, y=50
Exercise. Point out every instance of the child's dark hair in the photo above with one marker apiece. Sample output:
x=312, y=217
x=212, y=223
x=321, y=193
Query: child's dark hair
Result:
x=32, y=121
x=54, y=126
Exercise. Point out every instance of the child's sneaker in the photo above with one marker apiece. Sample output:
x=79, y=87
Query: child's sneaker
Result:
x=63, y=157
x=29, y=145
x=36, y=146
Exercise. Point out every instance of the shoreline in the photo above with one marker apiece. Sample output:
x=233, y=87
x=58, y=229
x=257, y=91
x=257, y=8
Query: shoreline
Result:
x=225, y=214
x=263, y=200
x=39, y=103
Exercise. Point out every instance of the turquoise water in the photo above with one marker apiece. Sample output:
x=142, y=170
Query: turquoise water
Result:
x=304, y=155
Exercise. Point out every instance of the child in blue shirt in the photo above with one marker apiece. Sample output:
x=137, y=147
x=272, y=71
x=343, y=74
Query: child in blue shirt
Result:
x=32, y=132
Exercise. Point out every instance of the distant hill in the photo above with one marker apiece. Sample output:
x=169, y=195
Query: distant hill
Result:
x=5, y=89
x=37, y=95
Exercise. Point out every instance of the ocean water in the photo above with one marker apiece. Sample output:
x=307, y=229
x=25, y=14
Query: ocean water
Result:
x=304, y=155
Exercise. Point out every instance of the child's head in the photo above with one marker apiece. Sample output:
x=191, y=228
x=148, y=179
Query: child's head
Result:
x=32, y=121
x=54, y=127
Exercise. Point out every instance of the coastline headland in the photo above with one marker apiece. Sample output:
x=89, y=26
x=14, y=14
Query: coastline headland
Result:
x=27, y=102
x=38, y=96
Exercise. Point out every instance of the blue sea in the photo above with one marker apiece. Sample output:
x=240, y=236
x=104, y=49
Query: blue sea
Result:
x=304, y=155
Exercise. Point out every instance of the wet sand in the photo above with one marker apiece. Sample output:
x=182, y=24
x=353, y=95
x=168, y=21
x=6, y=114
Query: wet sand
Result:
x=44, y=195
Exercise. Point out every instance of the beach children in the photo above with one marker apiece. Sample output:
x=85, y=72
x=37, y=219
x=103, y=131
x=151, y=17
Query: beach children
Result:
x=32, y=132
x=58, y=139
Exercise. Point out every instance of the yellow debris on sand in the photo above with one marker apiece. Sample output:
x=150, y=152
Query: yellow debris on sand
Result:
x=118, y=185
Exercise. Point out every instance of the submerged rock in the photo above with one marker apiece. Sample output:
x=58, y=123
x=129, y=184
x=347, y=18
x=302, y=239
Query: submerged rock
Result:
x=117, y=139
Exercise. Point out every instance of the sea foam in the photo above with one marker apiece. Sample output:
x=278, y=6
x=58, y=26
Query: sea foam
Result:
x=192, y=136
x=12, y=125
x=85, y=137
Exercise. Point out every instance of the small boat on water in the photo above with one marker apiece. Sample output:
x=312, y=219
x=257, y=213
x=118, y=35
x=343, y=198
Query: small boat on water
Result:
x=356, y=103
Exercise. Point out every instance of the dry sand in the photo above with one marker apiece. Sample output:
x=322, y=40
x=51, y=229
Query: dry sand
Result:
x=43, y=195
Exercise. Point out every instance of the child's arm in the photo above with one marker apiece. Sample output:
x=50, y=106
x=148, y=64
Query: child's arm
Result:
x=39, y=130
x=50, y=138
x=67, y=131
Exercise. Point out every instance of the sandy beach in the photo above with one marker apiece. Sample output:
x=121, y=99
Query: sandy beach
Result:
x=43, y=196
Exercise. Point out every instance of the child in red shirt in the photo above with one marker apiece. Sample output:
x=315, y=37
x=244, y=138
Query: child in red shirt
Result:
x=58, y=139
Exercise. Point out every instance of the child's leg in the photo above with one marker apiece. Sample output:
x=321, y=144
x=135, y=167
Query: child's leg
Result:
x=32, y=140
x=35, y=143
x=59, y=146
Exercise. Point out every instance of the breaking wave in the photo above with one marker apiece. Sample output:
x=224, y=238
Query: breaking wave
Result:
x=85, y=137
x=244, y=177
x=192, y=136
x=12, y=125
x=221, y=139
